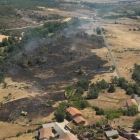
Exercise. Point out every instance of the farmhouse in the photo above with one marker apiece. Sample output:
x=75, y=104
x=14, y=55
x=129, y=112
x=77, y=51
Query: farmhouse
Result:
x=45, y=133
x=130, y=102
x=75, y=115
x=137, y=98
x=79, y=120
x=73, y=112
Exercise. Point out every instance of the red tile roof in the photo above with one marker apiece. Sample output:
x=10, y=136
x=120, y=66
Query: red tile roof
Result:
x=73, y=111
x=79, y=119
x=45, y=133
x=131, y=101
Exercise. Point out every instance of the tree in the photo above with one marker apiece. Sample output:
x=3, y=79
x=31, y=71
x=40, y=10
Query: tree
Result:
x=69, y=91
x=5, y=42
x=93, y=93
x=136, y=88
x=102, y=84
x=111, y=88
x=121, y=81
x=83, y=83
x=129, y=91
x=136, y=124
x=79, y=91
x=114, y=80
x=132, y=110
x=60, y=115
x=98, y=30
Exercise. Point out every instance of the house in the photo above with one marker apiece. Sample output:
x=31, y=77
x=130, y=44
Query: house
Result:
x=137, y=98
x=58, y=128
x=69, y=137
x=130, y=102
x=73, y=112
x=45, y=133
x=79, y=120
x=111, y=133
x=75, y=115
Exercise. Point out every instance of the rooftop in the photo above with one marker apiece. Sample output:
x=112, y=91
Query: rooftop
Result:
x=131, y=101
x=111, y=133
x=73, y=111
x=45, y=133
x=79, y=119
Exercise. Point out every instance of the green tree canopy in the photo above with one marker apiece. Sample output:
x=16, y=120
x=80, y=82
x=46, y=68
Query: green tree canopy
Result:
x=136, y=124
x=132, y=110
x=111, y=88
x=83, y=83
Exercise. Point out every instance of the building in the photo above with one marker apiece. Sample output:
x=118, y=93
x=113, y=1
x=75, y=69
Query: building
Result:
x=45, y=133
x=75, y=115
x=59, y=130
x=79, y=120
x=137, y=98
x=73, y=112
x=130, y=102
x=111, y=133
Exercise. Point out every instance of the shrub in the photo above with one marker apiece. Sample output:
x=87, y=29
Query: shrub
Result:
x=136, y=124
x=93, y=93
x=115, y=136
x=129, y=91
x=111, y=88
x=111, y=114
x=79, y=91
x=19, y=134
x=83, y=83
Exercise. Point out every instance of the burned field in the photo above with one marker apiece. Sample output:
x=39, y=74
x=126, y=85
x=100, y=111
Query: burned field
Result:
x=62, y=61
x=63, y=58
x=35, y=107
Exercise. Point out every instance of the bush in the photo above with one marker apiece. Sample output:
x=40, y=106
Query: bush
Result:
x=115, y=136
x=102, y=84
x=29, y=131
x=132, y=110
x=60, y=113
x=111, y=88
x=111, y=114
x=81, y=104
x=83, y=83
x=79, y=91
x=19, y=134
x=93, y=93
x=129, y=91
x=136, y=124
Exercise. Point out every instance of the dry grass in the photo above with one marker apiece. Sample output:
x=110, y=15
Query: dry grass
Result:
x=17, y=90
x=122, y=42
x=8, y=129
x=2, y=36
x=111, y=100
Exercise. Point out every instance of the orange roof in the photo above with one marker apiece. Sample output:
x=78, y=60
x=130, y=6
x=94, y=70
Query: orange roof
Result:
x=45, y=132
x=69, y=137
x=73, y=111
x=79, y=119
x=131, y=101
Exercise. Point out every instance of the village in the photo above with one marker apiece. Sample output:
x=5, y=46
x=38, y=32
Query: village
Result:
x=70, y=130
